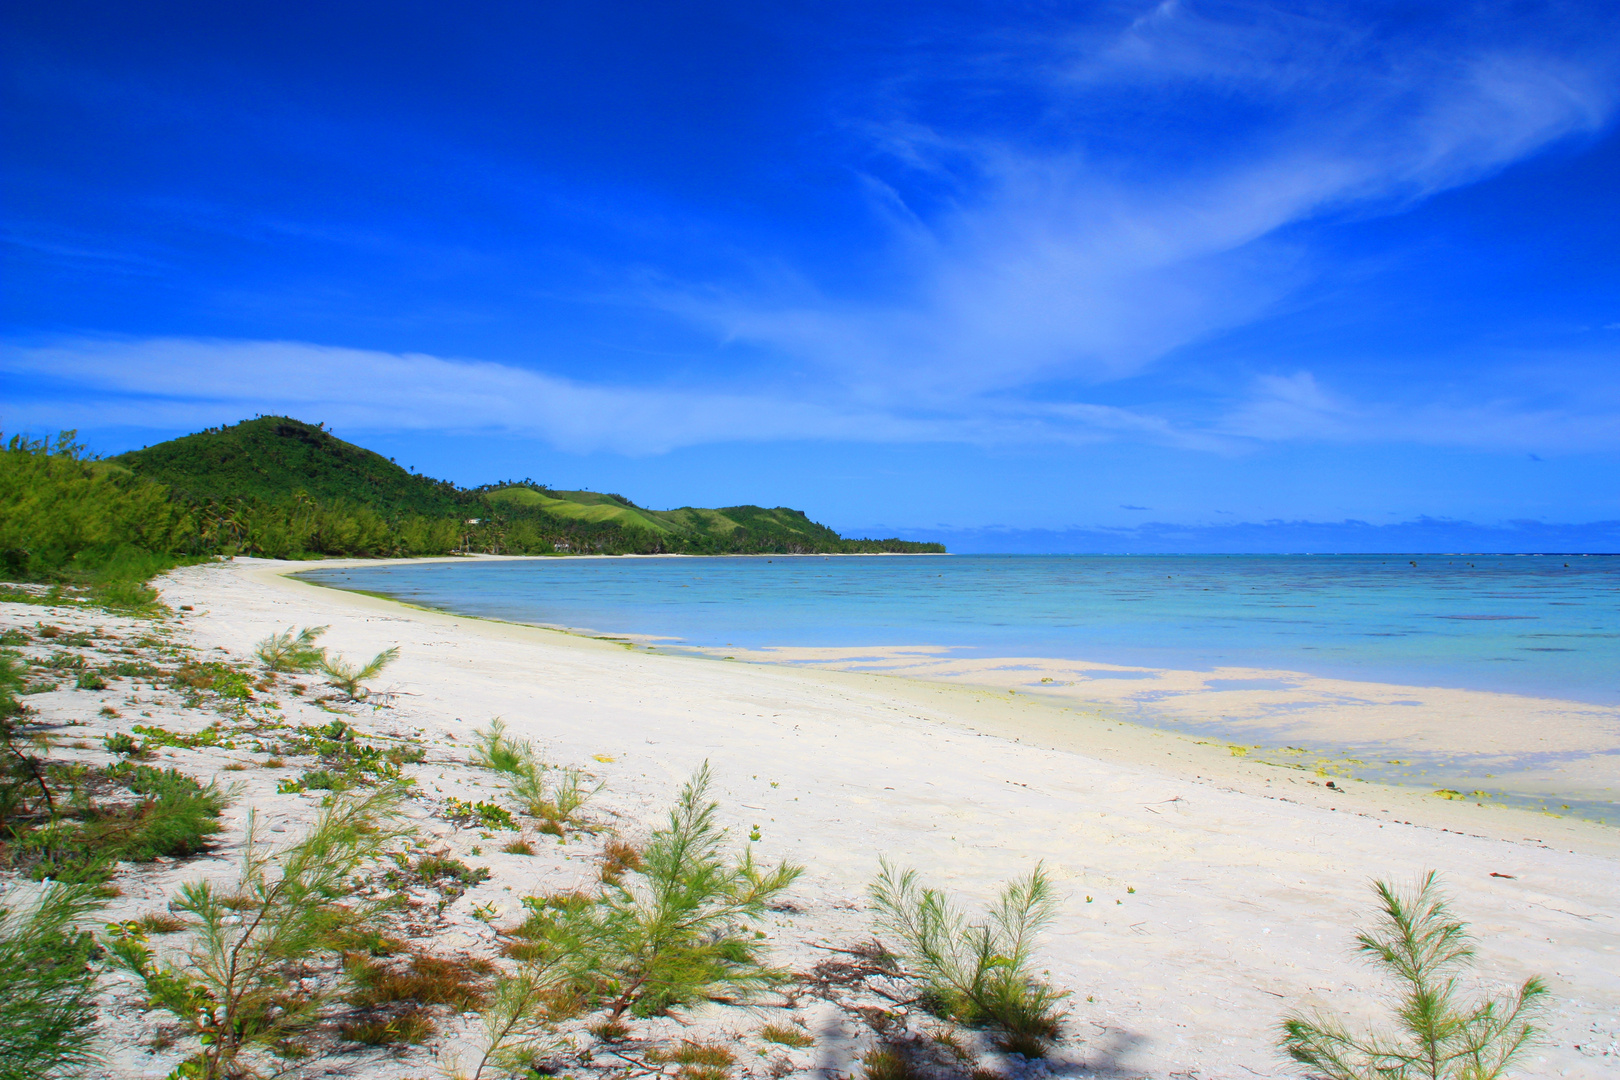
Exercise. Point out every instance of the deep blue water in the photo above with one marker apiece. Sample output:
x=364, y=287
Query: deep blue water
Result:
x=1542, y=625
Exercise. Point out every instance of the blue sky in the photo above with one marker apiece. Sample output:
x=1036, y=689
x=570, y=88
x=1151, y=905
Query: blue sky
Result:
x=1081, y=269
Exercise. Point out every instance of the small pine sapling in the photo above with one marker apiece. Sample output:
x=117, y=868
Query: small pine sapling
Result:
x=977, y=973
x=47, y=985
x=292, y=652
x=555, y=795
x=519, y=1021
x=498, y=751
x=349, y=678
x=560, y=799
x=233, y=981
x=1437, y=1037
x=671, y=932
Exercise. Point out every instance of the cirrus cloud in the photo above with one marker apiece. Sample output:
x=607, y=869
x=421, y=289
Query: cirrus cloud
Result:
x=1149, y=207
x=170, y=383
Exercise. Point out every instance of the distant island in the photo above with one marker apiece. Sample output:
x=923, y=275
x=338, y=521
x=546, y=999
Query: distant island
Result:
x=278, y=487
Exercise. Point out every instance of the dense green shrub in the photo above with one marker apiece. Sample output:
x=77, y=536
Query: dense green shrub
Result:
x=175, y=816
x=64, y=517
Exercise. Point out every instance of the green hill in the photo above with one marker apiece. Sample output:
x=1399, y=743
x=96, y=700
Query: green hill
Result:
x=280, y=487
x=274, y=457
x=688, y=521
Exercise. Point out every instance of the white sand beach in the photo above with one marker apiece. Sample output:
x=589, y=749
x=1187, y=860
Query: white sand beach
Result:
x=1550, y=748
x=1204, y=894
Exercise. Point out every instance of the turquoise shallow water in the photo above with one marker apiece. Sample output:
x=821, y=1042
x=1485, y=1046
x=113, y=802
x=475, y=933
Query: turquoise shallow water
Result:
x=1547, y=626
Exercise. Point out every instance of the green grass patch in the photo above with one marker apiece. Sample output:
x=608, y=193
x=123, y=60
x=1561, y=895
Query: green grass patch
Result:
x=786, y=1035
x=172, y=815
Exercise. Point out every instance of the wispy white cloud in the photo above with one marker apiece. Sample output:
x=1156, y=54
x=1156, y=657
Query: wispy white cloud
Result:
x=177, y=382
x=180, y=382
x=1299, y=408
x=1127, y=224
x=1068, y=254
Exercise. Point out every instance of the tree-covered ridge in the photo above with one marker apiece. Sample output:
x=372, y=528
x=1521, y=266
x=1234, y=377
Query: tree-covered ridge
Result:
x=64, y=517
x=736, y=522
x=276, y=457
x=280, y=488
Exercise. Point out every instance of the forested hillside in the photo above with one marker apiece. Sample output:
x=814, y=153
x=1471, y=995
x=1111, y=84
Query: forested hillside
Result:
x=275, y=458
x=281, y=488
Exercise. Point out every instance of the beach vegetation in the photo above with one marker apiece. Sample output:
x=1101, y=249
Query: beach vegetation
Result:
x=540, y=934
x=618, y=856
x=1436, y=1034
x=47, y=983
x=449, y=875
x=22, y=770
x=424, y=979
x=236, y=982
x=558, y=801
x=292, y=651
x=192, y=678
x=122, y=744
x=341, y=752
x=979, y=973
x=519, y=1021
x=349, y=678
x=153, y=735
x=409, y=1026
x=672, y=933
x=948, y=1039
x=553, y=794
x=157, y=922
x=609, y=1030
x=786, y=1035
x=484, y=814
x=888, y=1063
x=500, y=752
x=70, y=824
x=689, y=1052
x=323, y=780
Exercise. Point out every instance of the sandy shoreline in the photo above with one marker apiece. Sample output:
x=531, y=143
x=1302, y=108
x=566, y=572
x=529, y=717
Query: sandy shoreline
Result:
x=1204, y=893
x=1247, y=879
x=1552, y=754
x=1543, y=753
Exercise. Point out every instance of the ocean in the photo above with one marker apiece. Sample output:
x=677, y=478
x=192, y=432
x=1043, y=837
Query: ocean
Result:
x=1538, y=625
